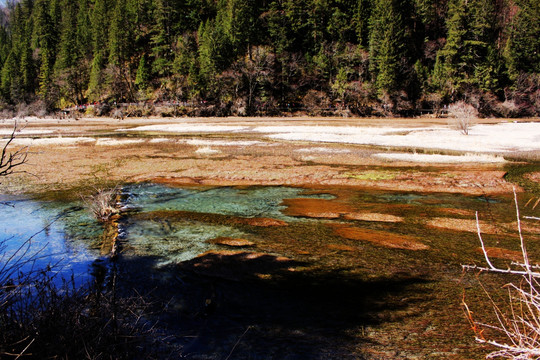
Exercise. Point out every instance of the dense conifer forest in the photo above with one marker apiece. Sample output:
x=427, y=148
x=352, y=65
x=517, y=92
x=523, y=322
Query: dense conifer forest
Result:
x=265, y=57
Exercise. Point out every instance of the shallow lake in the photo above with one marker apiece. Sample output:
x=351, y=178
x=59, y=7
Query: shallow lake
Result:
x=333, y=273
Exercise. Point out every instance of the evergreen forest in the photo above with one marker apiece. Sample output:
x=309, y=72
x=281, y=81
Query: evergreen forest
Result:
x=266, y=57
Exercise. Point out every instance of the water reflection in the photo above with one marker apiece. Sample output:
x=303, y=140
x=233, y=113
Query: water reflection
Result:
x=40, y=234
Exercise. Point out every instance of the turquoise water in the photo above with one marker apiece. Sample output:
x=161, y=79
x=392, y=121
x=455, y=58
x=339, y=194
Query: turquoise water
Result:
x=244, y=202
x=171, y=224
x=38, y=235
x=66, y=236
x=160, y=229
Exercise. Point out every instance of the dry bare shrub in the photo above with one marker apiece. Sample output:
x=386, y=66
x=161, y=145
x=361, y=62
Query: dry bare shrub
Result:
x=315, y=102
x=103, y=203
x=6, y=112
x=134, y=111
x=464, y=116
x=239, y=107
x=518, y=321
x=509, y=109
x=432, y=101
x=101, y=109
x=118, y=114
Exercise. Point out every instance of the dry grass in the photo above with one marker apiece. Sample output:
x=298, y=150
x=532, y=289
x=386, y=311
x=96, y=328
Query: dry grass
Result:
x=103, y=203
x=42, y=320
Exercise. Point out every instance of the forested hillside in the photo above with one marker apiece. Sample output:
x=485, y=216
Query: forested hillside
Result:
x=269, y=56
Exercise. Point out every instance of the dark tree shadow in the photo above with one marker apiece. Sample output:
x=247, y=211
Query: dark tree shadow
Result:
x=256, y=306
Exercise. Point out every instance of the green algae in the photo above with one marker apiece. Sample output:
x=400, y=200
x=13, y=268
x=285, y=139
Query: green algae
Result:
x=517, y=174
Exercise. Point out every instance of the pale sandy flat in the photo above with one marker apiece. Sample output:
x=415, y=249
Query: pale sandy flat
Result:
x=441, y=159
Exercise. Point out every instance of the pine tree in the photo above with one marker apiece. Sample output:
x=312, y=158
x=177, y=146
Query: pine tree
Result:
x=119, y=34
x=46, y=43
x=83, y=35
x=386, y=46
x=9, y=79
x=238, y=19
x=67, y=47
x=214, y=54
x=341, y=26
x=361, y=21
x=481, y=43
x=522, y=51
x=297, y=13
x=100, y=25
x=469, y=59
x=162, y=34
x=143, y=74
x=279, y=29
x=449, y=66
x=25, y=25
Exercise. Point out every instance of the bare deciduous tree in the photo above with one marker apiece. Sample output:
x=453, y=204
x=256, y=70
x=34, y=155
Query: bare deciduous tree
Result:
x=464, y=115
x=9, y=161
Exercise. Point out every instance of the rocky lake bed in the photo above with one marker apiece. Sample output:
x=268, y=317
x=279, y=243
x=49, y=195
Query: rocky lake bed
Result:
x=289, y=238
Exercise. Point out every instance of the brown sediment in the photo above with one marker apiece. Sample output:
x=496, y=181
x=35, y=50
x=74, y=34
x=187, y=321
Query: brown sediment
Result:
x=527, y=226
x=378, y=237
x=458, y=212
x=232, y=242
x=534, y=176
x=260, y=222
x=245, y=255
x=316, y=208
x=500, y=253
x=341, y=247
x=172, y=162
x=375, y=217
x=468, y=225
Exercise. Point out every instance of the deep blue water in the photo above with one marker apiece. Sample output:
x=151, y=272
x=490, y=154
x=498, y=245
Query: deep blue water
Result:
x=37, y=235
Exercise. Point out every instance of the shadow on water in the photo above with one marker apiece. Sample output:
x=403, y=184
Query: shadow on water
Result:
x=258, y=306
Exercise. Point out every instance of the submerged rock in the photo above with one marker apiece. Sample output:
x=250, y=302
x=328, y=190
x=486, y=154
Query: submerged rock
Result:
x=262, y=222
x=468, y=225
x=376, y=217
x=316, y=208
x=500, y=253
x=378, y=237
x=232, y=242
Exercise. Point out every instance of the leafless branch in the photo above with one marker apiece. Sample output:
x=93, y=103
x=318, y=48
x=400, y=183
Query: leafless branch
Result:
x=9, y=161
x=520, y=325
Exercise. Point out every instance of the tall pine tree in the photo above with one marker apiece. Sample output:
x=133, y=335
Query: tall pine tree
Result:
x=100, y=24
x=522, y=51
x=386, y=46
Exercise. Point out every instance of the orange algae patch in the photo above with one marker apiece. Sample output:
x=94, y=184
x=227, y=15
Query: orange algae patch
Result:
x=261, y=222
x=341, y=247
x=501, y=253
x=316, y=208
x=242, y=255
x=462, y=225
x=383, y=238
x=232, y=242
x=456, y=212
x=376, y=217
x=527, y=226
